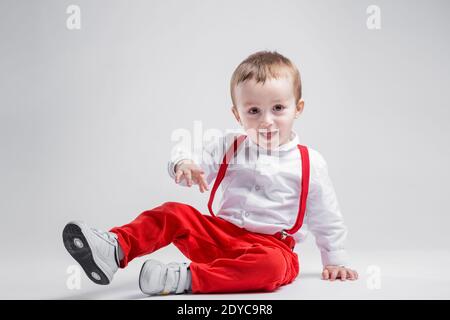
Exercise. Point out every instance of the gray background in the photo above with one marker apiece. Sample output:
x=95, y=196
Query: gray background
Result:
x=86, y=116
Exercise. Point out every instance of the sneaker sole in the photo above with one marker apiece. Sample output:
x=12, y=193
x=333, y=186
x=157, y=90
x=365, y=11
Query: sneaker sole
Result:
x=82, y=253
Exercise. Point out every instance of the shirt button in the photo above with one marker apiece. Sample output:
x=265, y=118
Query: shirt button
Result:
x=257, y=188
x=247, y=214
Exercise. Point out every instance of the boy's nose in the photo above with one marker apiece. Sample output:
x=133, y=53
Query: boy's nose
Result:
x=265, y=126
x=266, y=123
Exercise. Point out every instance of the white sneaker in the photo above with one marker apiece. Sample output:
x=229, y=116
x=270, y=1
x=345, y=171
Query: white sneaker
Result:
x=157, y=278
x=95, y=250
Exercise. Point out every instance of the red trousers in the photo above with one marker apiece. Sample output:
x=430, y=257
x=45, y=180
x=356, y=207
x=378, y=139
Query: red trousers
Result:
x=224, y=257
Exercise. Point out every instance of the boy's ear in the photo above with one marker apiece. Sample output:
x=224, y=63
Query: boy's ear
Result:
x=299, y=108
x=236, y=114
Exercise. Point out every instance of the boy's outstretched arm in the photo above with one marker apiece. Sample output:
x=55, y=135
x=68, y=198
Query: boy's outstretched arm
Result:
x=200, y=167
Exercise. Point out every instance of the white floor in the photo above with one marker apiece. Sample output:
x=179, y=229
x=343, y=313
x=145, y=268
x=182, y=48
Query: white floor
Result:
x=383, y=275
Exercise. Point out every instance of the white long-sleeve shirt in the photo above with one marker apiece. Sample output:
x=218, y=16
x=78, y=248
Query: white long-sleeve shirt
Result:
x=261, y=191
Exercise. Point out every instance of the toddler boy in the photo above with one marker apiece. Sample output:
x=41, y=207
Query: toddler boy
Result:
x=272, y=187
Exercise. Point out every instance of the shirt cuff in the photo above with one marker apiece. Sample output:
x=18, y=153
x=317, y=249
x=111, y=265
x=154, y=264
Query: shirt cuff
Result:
x=172, y=164
x=334, y=258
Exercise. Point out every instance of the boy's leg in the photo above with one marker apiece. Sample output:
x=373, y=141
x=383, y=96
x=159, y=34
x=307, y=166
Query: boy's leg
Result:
x=225, y=258
x=257, y=268
x=196, y=235
x=95, y=250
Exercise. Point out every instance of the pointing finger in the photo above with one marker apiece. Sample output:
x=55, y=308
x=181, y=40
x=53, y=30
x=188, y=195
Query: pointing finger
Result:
x=203, y=182
x=178, y=175
x=188, y=175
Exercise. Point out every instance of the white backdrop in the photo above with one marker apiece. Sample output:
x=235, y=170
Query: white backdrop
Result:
x=86, y=115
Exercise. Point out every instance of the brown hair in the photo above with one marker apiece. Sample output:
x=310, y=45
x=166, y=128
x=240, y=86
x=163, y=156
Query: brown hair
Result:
x=265, y=65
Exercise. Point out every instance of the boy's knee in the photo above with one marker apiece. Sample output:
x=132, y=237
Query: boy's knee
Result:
x=174, y=207
x=274, y=266
x=177, y=208
x=171, y=204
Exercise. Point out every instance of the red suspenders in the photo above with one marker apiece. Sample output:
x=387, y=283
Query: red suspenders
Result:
x=304, y=183
x=223, y=169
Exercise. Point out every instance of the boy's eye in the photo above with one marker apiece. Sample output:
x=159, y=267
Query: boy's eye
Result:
x=253, y=110
x=279, y=107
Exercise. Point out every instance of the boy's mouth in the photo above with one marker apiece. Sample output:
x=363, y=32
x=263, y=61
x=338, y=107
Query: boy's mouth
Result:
x=268, y=135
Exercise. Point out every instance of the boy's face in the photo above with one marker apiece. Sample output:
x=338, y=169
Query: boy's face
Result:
x=267, y=111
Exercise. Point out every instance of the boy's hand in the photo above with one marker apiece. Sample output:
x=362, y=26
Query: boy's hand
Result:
x=335, y=272
x=187, y=169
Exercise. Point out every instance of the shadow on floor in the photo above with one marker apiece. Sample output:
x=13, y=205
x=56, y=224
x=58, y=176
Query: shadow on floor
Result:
x=126, y=290
x=130, y=291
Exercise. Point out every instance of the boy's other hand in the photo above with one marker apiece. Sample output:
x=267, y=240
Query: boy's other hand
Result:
x=338, y=272
x=192, y=173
